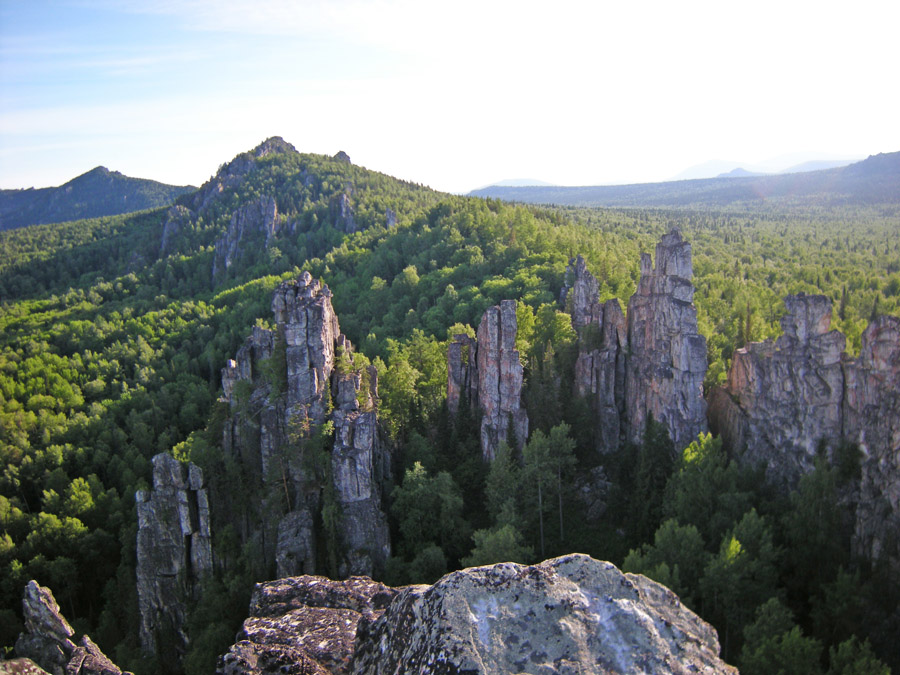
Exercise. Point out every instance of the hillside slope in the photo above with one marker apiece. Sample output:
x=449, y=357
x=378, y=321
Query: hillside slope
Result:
x=99, y=192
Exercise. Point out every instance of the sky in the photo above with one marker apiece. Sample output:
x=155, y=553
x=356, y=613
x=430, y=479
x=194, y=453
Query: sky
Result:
x=454, y=95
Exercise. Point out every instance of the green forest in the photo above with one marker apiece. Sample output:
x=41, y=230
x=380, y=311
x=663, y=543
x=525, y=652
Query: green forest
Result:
x=111, y=350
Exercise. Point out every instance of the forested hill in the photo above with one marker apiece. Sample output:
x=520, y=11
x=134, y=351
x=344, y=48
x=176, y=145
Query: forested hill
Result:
x=114, y=331
x=875, y=180
x=99, y=192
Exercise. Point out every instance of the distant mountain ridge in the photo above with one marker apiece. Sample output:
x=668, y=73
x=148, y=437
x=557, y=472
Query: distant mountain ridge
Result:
x=875, y=180
x=99, y=192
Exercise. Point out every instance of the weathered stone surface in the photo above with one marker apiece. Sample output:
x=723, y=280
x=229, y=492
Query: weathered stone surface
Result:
x=20, y=667
x=667, y=355
x=48, y=640
x=653, y=364
x=783, y=398
x=302, y=308
x=567, y=615
x=580, y=294
x=251, y=225
x=871, y=411
x=322, y=382
x=359, y=467
x=174, y=551
x=304, y=625
x=487, y=373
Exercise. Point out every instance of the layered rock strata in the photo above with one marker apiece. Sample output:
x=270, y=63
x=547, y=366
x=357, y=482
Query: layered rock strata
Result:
x=282, y=387
x=567, y=615
x=487, y=372
x=785, y=400
x=654, y=363
x=174, y=552
x=48, y=639
x=304, y=625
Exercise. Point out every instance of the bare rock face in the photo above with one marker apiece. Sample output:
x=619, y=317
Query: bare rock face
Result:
x=667, y=355
x=603, y=345
x=654, y=363
x=567, y=615
x=304, y=625
x=48, y=640
x=487, y=372
x=174, y=551
x=785, y=397
x=784, y=400
x=269, y=429
x=251, y=225
x=600, y=366
x=871, y=410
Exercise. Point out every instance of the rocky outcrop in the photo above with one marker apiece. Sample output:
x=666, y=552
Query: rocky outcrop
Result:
x=252, y=226
x=784, y=397
x=282, y=387
x=342, y=213
x=174, y=552
x=871, y=419
x=567, y=615
x=667, y=355
x=603, y=346
x=787, y=400
x=488, y=373
x=48, y=639
x=304, y=625
x=233, y=173
x=651, y=365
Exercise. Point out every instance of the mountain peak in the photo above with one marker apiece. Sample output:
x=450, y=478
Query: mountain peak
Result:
x=272, y=146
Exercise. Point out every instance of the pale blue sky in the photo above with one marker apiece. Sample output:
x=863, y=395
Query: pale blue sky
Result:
x=453, y=95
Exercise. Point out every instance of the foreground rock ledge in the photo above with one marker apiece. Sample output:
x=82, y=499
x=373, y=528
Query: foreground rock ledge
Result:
x=568, y=615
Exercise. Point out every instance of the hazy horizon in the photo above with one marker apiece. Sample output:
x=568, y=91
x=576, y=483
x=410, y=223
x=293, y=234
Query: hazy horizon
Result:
x=566, y=94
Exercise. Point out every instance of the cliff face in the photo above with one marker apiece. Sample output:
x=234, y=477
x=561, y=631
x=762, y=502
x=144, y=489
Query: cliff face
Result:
x=787, y=393
x=48, y=639
x=273, y=430
x=488, y=373
x=654, y=363
x=174, y=551
x=252, y=225
x=871, y=418
x=785, y=399
x=667, y=361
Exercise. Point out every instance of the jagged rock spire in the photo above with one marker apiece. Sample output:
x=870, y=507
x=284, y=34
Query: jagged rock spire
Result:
x=488, y=373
